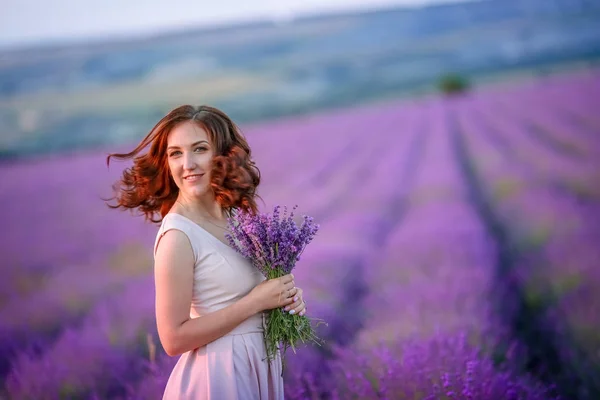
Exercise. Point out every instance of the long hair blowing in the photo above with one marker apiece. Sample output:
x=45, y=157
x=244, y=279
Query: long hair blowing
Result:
x=149, y=186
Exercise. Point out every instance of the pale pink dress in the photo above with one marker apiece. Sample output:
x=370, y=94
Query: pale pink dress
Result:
x=233, y=366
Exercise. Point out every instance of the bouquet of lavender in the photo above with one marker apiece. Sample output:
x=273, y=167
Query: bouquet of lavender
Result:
x=273, y=245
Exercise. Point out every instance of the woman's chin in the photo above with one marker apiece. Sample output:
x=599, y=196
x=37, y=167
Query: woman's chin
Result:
x=197, y=192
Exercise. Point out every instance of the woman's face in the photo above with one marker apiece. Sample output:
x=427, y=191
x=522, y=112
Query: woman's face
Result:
x=190, y=153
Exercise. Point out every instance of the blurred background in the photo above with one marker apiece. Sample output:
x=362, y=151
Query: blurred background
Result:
x=450, y=151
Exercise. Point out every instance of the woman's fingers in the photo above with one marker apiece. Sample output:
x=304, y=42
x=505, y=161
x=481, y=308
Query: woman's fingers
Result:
x=297, y=307
x=297, y=294
x=288, y=295
x=287, y=291
x=291, y=296
x=302, y=309
x=287, y=278
x=283, y=301
x=294, y=305
x=294, y=293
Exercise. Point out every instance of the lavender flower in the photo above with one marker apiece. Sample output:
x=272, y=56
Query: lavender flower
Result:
x=274, y=243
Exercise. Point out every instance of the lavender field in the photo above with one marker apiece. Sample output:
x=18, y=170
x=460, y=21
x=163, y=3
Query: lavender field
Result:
x=457, y=256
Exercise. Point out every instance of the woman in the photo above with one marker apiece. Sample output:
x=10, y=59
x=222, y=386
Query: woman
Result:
x=209, y=299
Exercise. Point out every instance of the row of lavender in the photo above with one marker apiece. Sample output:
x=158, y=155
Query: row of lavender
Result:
x=538, y=192
x=539, y=282
x=406, y=268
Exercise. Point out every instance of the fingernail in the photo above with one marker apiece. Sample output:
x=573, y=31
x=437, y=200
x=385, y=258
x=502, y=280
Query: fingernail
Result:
x=293, y=312
x=296, y=298
x=286, y=308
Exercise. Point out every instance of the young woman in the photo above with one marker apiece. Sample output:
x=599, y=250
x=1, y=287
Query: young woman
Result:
x=209, y=299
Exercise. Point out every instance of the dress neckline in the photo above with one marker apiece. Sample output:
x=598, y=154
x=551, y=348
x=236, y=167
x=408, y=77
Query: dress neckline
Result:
x=205, y=231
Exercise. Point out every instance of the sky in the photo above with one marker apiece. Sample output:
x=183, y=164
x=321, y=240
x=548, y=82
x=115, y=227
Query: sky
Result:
x=25, y=22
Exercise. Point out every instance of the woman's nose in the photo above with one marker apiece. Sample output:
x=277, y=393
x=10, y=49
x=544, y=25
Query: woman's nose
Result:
x=188, y=161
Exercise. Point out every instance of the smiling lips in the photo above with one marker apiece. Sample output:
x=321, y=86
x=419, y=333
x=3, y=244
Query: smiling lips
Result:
x=193, y=178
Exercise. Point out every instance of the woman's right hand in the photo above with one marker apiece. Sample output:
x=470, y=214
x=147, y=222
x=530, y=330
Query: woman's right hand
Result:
x=274, y=293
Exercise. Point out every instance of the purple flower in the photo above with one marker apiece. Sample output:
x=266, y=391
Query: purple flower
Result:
x=273, y=243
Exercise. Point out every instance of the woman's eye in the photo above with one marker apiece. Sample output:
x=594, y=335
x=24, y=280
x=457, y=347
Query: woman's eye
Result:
x=177, y=152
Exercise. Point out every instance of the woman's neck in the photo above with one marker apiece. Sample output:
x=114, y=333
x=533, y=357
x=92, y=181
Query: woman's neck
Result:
x=207, y=210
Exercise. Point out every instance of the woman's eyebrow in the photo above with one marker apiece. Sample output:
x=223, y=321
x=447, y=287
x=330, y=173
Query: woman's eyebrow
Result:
x=192, y=145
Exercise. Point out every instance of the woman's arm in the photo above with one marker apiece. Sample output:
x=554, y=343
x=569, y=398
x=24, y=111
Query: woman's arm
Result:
x=174, y=279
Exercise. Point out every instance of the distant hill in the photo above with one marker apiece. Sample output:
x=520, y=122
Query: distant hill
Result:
x=89, y=94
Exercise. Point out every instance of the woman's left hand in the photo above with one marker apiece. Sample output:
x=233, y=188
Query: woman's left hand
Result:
x=298, y=306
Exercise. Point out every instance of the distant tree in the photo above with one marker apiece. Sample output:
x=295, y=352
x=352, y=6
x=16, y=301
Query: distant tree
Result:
x=451, y=84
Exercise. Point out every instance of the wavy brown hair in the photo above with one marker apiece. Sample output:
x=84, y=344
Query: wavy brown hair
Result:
x=149, y=186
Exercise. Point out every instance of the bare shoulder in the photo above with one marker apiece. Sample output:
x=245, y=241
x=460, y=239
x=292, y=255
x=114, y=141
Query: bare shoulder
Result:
x=173, y=249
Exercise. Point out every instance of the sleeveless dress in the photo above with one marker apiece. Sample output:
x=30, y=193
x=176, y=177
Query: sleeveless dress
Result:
x=233, y=366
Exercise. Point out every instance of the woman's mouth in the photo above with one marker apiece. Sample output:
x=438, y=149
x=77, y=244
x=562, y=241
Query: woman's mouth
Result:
x=193, y=178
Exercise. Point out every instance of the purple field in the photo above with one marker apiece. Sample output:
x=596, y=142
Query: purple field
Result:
x=457, y=257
